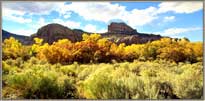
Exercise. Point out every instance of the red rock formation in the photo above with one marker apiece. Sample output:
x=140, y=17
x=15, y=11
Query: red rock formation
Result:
x=117, y=32
x=54, y=32
x=120, y=28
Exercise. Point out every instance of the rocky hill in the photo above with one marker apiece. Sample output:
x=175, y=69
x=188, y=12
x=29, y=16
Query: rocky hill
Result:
x=117, y=32
x=54, y=32
x=122, y=33
x=120, y=28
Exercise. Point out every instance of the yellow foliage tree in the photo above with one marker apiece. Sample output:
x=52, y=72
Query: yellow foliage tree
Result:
x=12, y=48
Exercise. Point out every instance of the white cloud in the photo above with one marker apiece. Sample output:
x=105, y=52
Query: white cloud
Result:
x=38, y=24
x=25, y=32
x=174, y=32
x=16, y=16
x=16, y=11
x=93, y=28
x=38, y=8
x=98, y=11
x=18, y=19
x=68, y=23
x=105, y=12
x=140, y=17
x=7, y=11
x=180, y=7
x=67, y=15
x=90, y=28
x=41, y=22
x=101, y=31
x=169, y=18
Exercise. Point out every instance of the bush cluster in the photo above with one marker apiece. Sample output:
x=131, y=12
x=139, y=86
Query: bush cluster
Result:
x=128, y=80
x=94, y=49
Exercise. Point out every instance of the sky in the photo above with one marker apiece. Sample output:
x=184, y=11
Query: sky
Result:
x=173, y=19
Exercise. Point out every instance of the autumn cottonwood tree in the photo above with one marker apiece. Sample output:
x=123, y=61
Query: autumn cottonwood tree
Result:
x=13, y=49
x=94, y=49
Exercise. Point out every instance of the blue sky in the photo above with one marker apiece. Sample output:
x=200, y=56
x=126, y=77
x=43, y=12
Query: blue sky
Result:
x=173, y=19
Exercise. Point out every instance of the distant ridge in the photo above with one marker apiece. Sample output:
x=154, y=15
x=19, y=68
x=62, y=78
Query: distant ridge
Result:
x=117, y=32
x=6, y=34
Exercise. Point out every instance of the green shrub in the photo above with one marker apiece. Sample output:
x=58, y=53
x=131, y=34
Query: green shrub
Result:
x=189, y=84
x=40, y=82
x=158, y=79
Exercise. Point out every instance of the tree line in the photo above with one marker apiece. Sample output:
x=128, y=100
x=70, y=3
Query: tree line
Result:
x=95, y=49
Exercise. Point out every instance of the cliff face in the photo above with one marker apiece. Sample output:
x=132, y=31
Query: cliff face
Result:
x=120, y=28
x=125, y=34
x=137, y=39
